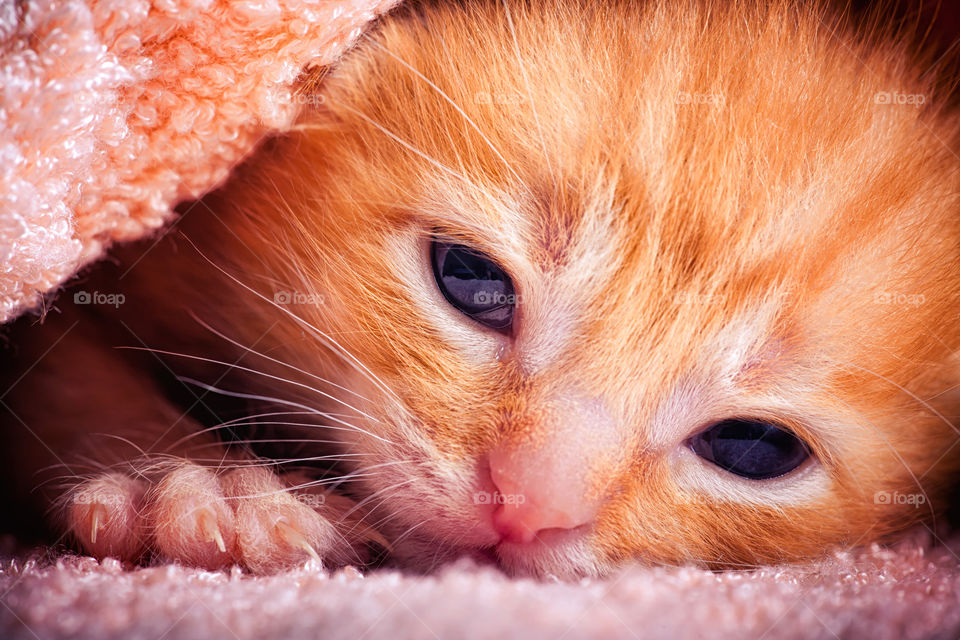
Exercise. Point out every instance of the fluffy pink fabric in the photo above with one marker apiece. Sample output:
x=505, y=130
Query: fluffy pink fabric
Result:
x=911, y=591
x=112, y=111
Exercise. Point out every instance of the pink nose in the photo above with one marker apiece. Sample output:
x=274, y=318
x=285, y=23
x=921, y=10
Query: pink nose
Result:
x=559, y=482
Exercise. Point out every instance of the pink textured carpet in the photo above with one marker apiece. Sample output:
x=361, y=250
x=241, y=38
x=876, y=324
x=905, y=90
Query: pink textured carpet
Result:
x=911, y=591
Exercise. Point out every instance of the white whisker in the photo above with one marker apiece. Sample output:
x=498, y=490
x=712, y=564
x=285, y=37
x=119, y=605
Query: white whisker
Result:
x=373, y=495
x=319, y=335
x=526, y=82
x=253, y=396
x=919, y=400
x=452, y=103
x=277, y=361
x=439, y=165
x=256, y=372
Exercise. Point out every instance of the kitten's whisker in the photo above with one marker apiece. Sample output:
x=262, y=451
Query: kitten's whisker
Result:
x=66, y=480
x=122, y=439
x=406, y=145
x=307, y=425
x=333, y=482
x=218, y=427
x=453, y=103
x=285, y=461
x=922, y=402
x=375, y=203
x=270, y=414
x=319, y=335
x=266, y=441
x=948, y=389
x=896, y=453
x=252, y=396
x=239, y=422
x=526, y=82
x=374, y=495
x=410, y=530
x=280, y=362
x=361, y=472
x=254, y=371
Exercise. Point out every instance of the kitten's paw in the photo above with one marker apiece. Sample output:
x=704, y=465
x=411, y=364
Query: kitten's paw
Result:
x=102, y=514
x=246, y=515
x=277, y=528
x=189, y=519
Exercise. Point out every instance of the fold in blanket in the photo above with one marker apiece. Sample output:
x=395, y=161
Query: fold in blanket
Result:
x=113, y=111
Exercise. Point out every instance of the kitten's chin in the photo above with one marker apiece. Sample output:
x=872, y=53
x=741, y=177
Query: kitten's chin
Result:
x=555, y=553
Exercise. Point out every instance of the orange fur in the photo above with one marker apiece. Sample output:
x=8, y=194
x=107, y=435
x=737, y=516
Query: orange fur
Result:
x=707, y=212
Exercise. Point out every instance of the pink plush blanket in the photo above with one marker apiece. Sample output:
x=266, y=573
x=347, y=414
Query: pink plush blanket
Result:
x=112, y=111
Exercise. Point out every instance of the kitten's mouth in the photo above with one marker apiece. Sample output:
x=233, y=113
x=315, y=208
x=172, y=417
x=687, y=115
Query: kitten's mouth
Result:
x=550, y=554
x=544, y=539
x=525, y=557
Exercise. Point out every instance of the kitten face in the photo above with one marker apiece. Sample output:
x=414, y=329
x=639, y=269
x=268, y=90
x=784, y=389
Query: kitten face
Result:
x=694, y=230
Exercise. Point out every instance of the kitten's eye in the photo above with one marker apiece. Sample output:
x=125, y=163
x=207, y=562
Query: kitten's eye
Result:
x=474, y=284
x=749, y=448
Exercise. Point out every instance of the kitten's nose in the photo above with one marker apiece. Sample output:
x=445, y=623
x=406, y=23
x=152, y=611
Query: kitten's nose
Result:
x=558, y=482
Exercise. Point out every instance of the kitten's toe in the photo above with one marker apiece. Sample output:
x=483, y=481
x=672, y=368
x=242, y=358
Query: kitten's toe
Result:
x=277, y=529
x=190, y=519
x=102, y=515
x=350, y=518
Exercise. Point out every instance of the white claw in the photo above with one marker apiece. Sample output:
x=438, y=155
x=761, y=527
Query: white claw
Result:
x=295, y=539
x=96, y=513
x=209, y=526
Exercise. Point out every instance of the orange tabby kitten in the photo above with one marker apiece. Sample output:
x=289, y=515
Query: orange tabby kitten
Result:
x=557, y=284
